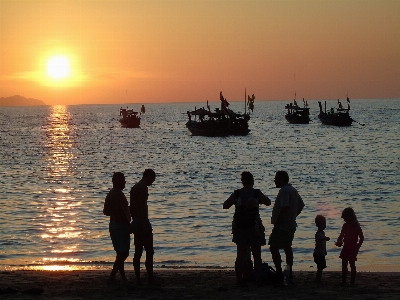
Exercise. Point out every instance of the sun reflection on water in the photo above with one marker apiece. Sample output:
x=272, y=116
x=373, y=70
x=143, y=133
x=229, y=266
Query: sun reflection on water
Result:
x=60, y=235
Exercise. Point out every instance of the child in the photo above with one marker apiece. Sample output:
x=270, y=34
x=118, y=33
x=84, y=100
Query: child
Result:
x=351, y=237
x=320, y=246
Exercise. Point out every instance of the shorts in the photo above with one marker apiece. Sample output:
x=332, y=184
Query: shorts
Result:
x=120, y=236
x=320, y=261
x=248, y=237
x=349, y=253
x=281, y=238
x=137, y=229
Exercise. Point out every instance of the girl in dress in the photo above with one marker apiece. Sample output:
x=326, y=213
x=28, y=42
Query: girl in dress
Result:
x=351, y=237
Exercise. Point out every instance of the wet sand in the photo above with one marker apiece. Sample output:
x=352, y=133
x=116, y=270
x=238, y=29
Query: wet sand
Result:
x=192, y=284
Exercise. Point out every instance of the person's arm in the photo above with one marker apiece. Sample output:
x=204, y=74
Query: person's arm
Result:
x=262, y=199
x=229, y=202
x=322, y=238
x=142, y=200
x=361, y=237
x=300, y=205
x=339, y=241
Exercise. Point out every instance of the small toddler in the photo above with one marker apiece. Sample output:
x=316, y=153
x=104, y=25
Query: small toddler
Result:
x=320, y=247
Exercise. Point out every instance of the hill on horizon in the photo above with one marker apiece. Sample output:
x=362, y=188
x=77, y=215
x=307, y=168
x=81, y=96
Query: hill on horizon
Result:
x=18, y=100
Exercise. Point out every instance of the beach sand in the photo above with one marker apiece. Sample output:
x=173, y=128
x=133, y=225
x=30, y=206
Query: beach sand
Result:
x=192, y=284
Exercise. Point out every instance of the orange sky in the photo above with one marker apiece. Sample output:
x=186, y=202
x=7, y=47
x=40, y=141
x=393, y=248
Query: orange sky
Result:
x=123, y=51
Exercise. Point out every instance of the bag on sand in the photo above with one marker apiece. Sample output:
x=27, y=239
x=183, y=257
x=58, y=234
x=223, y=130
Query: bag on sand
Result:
x=268, y=274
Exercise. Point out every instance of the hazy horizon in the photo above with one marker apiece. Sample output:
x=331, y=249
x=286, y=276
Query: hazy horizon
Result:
x=131, y=51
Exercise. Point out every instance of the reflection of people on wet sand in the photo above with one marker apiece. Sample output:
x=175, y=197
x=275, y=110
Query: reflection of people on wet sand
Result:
x=116, y=206
x=288, y=205
x=320, y=247
x=140, y=226
x=247, y=228
x=351, y=237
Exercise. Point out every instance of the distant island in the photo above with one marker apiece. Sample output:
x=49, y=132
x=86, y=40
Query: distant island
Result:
x=18, y=100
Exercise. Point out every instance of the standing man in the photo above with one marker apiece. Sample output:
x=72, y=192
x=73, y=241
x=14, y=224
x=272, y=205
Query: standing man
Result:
x=140, y=226
x=116, y=206
x=288, y=205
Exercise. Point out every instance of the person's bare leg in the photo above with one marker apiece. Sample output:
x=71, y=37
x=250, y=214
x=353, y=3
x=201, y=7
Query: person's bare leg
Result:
x=319, y=276
x=136, y=261
x=240, y=257
x=353, y=271
x=276, y=258
x=289, y=259
x=344, y=271
x=149, y=258
x=256, y=250
x=121, y=258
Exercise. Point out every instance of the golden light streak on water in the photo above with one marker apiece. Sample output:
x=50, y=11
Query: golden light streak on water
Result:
x=60, y=220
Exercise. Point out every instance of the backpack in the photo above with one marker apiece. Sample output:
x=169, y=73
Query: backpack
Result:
x=268, y=274
x=244, y=218
x=108, y=209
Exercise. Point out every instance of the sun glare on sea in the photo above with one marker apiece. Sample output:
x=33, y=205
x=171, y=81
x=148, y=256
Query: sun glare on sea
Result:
x=58, y=67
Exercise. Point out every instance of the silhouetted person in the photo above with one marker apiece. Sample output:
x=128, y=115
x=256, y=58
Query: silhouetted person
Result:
x=320, y=247
x=351, y=237
x=288, y=205
x=143, y=109
x=141, y=227
x=116, y=206
x=247, y=227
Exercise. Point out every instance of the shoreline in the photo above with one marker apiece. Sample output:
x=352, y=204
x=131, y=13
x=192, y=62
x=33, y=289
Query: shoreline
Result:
x=373, y=268
x=193, y=284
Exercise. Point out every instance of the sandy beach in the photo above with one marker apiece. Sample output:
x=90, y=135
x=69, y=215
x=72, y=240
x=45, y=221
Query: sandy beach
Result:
x=191, y=284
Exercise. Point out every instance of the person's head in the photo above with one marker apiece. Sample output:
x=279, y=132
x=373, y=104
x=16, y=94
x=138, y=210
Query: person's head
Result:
x=247, y=179
x=149, y=176
x=118, y=180
x=349, y=216
x=281, y=178
x=320, y=222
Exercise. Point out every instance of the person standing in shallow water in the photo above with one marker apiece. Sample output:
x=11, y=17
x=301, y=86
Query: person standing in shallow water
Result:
x=140, y=226
x=288, y=205
x=351, y=237
x=116, y=206
x=247, y=227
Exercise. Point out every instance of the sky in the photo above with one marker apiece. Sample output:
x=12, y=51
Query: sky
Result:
x=151, y=51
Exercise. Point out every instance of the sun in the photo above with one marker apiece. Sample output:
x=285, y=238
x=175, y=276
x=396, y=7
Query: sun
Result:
x=58, y=67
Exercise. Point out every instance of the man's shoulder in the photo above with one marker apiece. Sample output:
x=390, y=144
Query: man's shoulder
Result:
x=116, y=193
x=138, y=187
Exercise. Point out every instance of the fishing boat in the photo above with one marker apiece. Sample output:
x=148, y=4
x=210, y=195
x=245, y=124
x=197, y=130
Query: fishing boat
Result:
x=337, y=117
x=222, y=122
x=130, y=118
x=297, y=114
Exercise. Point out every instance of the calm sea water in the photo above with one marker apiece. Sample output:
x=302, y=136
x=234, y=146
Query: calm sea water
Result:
x=56, y=164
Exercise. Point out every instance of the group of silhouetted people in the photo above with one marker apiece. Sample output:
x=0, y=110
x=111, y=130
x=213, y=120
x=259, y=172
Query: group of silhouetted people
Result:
x=126, y=219
x=247, y=229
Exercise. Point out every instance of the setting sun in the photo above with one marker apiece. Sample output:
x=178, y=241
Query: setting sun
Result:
x=58, y=67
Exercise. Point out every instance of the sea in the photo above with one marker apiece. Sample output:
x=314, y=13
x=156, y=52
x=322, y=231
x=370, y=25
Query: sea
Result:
x=56, y=164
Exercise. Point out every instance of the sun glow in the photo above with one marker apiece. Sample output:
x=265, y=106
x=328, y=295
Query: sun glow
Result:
x=58, y=67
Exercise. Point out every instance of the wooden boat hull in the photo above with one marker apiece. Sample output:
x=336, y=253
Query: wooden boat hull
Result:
x=219, y=128
x=131, y=122
x=336, y=120
x=297, y=119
